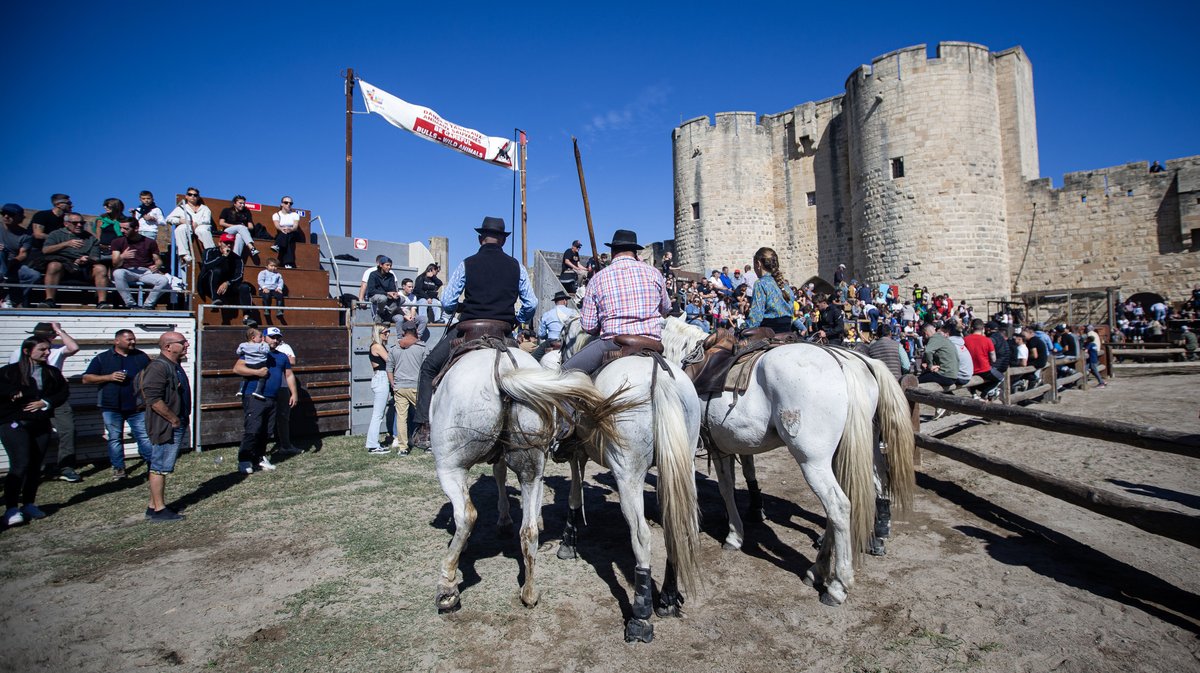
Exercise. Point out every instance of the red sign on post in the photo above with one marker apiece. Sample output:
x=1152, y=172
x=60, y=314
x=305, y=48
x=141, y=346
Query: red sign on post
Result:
x=360, y=244
x=253, y=206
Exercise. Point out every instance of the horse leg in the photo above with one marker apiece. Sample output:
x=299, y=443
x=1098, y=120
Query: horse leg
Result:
x=531, y=508
x=638, y=628
x=883, y=504
x=570, y=539
x=837, y=572
x=670, y=601
x=504, y=522
x=737, y=532
x=454, y=483
x=754, y=513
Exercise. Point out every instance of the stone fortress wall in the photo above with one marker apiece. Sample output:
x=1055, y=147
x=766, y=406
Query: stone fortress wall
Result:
x=926, y=171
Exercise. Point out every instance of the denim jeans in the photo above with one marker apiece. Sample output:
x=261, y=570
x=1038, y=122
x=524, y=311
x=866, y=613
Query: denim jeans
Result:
x=381, y=389
x=11, y=272
x=162, y=456
x=114, y=424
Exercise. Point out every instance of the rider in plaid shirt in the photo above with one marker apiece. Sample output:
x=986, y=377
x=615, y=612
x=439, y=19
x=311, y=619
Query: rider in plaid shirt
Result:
x=626, y=297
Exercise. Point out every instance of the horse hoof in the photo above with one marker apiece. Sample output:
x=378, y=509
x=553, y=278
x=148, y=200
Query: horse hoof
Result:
x=567, y=552
x=828, y=599
x=668, y=611
x=639, y=631
x=448, y=602
x=530, y=599
x=729, y=546
x=877, y=547
x=810, y=579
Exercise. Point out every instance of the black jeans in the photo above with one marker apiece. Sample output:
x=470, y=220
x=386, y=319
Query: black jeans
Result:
x=934, y=377
x=259, y=426
x=26, y=447
x=286, y=241
x=434, y=361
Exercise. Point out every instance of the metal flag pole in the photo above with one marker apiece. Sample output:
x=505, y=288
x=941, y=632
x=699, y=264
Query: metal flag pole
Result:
x=349, y=142
x=524, y=212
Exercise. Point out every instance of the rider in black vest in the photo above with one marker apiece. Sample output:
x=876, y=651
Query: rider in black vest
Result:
x=490, y=282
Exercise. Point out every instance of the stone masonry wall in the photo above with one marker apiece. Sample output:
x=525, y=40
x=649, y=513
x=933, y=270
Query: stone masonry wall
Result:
x=945, y=218
x=1119, y=227
x=726, y=170
x=961, y=217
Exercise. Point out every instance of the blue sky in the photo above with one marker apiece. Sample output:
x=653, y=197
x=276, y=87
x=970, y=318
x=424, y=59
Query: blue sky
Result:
x=106, y=100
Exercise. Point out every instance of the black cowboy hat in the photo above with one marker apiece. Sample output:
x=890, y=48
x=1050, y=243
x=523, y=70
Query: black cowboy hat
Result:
x=624, y=239
x=561, y=296
x=492, y=226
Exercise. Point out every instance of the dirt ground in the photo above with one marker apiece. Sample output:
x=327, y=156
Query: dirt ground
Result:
x=329, y=564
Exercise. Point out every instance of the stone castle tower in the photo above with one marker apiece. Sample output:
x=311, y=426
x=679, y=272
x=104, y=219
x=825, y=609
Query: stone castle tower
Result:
x=924, y=171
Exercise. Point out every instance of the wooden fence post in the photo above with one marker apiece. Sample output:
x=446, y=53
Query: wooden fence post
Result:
x=1006, y=391
x=1050, y=364
x=906, y=382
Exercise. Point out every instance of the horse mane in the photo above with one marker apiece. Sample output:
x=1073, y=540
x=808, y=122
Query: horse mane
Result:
x=679, y=338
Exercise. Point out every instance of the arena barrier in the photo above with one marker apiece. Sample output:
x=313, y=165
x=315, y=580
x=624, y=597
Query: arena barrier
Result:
x=1150, y=518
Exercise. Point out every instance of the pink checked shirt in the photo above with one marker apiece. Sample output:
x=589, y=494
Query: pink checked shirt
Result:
x=626, y=297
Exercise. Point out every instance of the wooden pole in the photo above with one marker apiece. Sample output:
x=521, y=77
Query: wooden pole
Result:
x=1153, y=519
x=587, y=209
x=349, y=142
x=1141, y=436
x=524, y=214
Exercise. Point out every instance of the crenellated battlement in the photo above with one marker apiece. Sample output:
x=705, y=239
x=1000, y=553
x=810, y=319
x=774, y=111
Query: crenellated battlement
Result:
x=914, y=61
x=926, y=169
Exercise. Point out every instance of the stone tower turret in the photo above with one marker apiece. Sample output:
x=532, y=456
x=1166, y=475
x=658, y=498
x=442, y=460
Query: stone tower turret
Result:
x=724, y=191
x=927, y=170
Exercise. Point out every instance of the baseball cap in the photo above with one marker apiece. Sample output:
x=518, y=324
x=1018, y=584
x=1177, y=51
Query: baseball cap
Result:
x=12, y=209
x=273, y=332
x=408, y=326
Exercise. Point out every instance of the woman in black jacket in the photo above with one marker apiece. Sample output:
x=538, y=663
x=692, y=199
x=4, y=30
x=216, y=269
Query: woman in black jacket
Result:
x=30, y=390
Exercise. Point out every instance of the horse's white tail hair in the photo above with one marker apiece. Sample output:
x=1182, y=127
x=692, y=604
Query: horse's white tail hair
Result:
x=677, y=484
x=554, y=394
x=854, y=461
x=895, y=427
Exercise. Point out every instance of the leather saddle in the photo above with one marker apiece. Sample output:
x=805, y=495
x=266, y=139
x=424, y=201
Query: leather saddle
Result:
x=473, y=335
x=724, y=351
x=475, y=330
x=631, y=344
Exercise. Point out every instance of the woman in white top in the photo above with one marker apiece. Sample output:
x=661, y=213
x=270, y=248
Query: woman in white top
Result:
x=190, y=217
x=287, y=233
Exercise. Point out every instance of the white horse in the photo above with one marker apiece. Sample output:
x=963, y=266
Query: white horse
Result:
x=819, y=403
x=658, y=422
x=485, y=404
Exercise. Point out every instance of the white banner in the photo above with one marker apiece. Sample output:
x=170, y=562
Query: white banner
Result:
x=429, y=125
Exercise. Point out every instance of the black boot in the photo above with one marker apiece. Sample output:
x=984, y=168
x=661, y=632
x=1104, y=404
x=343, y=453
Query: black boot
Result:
x=639, y=628
x=883, y=517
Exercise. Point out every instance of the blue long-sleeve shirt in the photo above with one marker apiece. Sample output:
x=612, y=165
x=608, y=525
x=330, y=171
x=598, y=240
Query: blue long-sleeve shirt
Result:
x=458, y=282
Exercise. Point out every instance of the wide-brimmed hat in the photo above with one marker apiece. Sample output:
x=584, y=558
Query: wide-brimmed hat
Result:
x=43, y=328
x=561, y=296
x=624, y=239
x=493, y=226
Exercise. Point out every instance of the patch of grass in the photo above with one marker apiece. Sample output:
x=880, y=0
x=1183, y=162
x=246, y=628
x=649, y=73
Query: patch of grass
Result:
x=317, y=596
x=927, y=649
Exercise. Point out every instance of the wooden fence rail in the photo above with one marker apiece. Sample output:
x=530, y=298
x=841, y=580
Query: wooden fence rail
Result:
x=1145, y=437
x=1150, y=518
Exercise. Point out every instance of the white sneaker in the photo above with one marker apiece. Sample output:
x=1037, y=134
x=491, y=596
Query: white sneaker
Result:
x=13, y=517
x=266, y=464
x=6, y=304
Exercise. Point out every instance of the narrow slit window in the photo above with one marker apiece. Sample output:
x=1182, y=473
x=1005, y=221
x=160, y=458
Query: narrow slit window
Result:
x=812, y=198
x=897, y=167
x=696, y=210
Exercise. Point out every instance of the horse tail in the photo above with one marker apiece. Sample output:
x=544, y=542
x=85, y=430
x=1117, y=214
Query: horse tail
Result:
x=855, y=457
x=895, y=426
x=556, y=395
x=677, y=484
